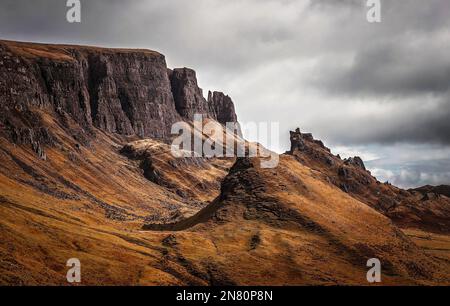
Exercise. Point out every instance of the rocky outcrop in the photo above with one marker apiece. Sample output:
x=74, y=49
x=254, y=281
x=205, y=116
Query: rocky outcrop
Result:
x=37, y=138
x=189, y=100
x=297, y=142
x=437, y=190
x=350, y=174
x=422, y=207
x=222, y=107
x=118, y=91
x=355, y=161
x=305, y=141
x=128, y=92
x=187, y=94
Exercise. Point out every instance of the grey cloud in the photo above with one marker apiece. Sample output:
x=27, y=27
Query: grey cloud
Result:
x=418, y=121
x=410, y=175
x=392, y=68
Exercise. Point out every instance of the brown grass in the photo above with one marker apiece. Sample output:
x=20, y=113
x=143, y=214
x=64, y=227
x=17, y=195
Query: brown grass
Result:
x=326, y=238
x=61, y=52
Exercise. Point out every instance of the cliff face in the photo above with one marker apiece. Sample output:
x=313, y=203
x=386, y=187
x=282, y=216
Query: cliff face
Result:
x=187, y=94
x=189, y=98
x=116, y=90
x=130, y=94
x=222, y=107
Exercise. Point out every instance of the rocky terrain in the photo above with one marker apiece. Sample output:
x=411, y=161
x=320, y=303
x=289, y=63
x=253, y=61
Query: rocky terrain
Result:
x=431, y=191
x=86, y=171
x=427, y=207
x=128, y=92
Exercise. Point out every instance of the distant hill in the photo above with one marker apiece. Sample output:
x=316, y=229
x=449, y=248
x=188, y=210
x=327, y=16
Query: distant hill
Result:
x=441, y=189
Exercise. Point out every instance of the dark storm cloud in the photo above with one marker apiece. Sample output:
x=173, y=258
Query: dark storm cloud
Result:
x=401, y=70
x=390, y=68
x=413, y=85
x=406, y=54
x=420, y=120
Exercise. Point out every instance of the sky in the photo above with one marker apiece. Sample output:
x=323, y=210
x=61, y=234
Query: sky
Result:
x=378, y=90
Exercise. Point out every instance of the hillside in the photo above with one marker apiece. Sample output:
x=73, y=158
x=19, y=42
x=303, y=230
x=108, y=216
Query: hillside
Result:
x=86, y=171
x=426, y=207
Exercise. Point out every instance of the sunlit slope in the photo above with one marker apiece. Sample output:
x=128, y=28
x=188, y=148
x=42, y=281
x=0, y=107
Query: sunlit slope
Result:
x=199, y=221
x=287, y=226
x=88, y=200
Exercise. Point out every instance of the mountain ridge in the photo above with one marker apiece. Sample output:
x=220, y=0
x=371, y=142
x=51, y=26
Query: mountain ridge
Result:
x=86, y=172
x=124, y=91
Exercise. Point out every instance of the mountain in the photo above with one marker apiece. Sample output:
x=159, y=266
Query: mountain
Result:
x=433, y=191
x=128, y=92
x=87, y=172
x=407, y=208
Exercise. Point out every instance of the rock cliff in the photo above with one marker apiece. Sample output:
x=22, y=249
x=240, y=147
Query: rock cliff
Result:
x=128, y=92
x=187, y=94
x=222, y=107
x=189, y=99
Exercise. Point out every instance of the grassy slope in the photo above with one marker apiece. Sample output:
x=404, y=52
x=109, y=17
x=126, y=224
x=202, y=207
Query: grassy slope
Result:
x=286, y=225
x=59, y=52
x=88, y=203
x=40, y=231
x=328, y=241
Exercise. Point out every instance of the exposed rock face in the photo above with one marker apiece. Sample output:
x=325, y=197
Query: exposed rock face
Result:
x=350, y=174
x=297, y=142
x=222, y=107
x=439, y=190
x=130, y=94
x=119, y=91
x=34, y=137
x=188, y=96
x=189, y=100
x=116, y=90
x=355, y=161
x=302, y=141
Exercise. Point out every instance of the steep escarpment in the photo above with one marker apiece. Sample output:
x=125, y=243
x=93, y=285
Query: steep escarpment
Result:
x=222, y=107
x=187, y=94
x=128, y=92
x=118, y=91
x=189, y=99
x=131, y=94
